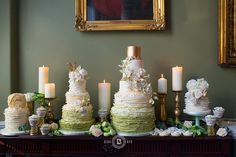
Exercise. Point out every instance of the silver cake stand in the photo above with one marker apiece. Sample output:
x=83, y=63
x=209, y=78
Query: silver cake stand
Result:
x=72, y=133
x=197, y=115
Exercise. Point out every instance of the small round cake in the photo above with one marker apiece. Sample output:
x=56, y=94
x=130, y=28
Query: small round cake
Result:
x=16, y=114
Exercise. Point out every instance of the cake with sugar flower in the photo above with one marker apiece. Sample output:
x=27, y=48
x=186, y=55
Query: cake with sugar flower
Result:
x=133, y=113
x=77, y=113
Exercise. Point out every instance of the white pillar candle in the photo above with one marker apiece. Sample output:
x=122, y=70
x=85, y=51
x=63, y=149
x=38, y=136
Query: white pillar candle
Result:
x=50, y=90
x=162, y=85
x=43, y=78
x=104, y=96
x=177, y=78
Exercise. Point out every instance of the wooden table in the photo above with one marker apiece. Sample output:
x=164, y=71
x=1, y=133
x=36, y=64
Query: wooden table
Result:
x=102, y=146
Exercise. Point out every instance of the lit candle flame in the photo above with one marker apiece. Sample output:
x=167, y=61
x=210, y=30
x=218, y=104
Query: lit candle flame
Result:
x=104, y=81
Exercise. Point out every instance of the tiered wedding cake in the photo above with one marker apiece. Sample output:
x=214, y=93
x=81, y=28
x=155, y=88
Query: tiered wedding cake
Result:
x=77, y=113
x=16, y=114
x=196, y=100
x=133, y=111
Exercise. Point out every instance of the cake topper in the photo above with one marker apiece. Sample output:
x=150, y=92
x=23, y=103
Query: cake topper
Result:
x=72, y=66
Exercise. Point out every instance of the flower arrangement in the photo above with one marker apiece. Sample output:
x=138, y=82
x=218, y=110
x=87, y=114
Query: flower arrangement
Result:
x=137, y=77
x=197, y=89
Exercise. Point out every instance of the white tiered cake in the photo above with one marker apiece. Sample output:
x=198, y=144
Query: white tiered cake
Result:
x=16, y=115
x=196, y=100
x=133, y=113
x=77, y=113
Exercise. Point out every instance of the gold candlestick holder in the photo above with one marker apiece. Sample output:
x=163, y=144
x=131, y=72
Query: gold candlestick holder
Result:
x=177, y=111
x=50, y=115
x=162, y=109
x=30, y=106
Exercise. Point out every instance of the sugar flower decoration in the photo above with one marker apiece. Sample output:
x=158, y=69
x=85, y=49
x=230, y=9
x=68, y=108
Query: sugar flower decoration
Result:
x=188, y=124
x=95, y=131
x=222, y=132
x=197, y=91
x=54, y=126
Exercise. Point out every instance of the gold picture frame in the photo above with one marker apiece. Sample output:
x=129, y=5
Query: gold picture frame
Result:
x=227, y=33
x=83, y=24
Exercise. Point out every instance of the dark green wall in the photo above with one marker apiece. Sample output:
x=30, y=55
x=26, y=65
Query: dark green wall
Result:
x=47, y=37
x=5, y=82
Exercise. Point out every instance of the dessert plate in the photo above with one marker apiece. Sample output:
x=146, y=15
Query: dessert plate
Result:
x=72, y=133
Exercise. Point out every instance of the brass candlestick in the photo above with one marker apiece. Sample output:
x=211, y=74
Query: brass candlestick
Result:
x=50, y=115
x=162, y=109
x=177, y=111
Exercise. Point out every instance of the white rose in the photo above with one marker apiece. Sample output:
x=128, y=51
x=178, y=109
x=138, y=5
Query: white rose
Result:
x=191, y=84
x=141, y=72
x=96, y=132
x=54, y=126
x=127, y=72
x=198, y=93
x=83, y=72
x=222, y=132
x=83, y=111
x=203, y=84
x=188, y=124
x=92, y=127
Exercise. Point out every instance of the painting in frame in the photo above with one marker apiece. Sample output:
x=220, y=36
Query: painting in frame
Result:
x=108, y=15
x=227, y=33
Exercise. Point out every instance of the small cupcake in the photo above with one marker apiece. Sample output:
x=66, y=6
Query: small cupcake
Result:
x=33, y=120
x=41, y=111
x=219, y=112
x=45, y=129
x=210, y=120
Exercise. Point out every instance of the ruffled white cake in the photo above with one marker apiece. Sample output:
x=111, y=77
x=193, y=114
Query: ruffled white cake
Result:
x=16, y=114
x=133, y=112
x=77, y=113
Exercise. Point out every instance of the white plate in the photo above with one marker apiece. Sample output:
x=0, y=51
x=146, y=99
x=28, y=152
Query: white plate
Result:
x=72, y=133
x=9, y=133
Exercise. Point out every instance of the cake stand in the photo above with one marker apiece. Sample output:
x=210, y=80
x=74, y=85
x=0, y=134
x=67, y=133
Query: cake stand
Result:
x=197, y=115
x=72, y=133
x=134, y=134
x=5, y=132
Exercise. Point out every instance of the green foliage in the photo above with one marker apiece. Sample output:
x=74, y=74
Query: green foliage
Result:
x=196, y=130
x=55, y=133
x=24, y=127
x=39, y=98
